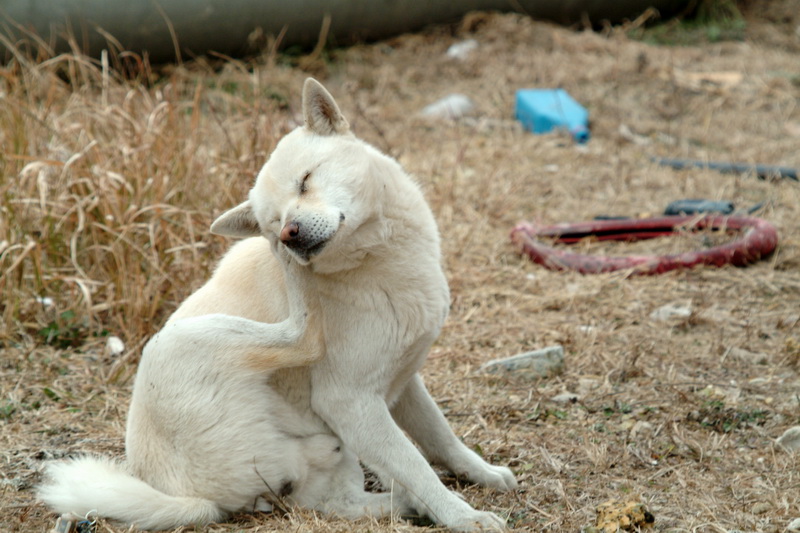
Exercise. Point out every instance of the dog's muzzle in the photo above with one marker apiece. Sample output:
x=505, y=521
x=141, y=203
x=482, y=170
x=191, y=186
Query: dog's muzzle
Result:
x=305, y=240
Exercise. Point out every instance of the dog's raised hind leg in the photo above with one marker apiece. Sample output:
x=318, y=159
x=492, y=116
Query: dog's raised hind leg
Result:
x=259, y=346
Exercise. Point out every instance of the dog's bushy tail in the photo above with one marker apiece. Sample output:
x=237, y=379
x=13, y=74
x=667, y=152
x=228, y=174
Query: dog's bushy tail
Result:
x=103, y=487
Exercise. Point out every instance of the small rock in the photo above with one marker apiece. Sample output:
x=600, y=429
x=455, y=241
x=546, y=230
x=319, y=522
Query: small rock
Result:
x=586, y=385
x=532, y=365
x=46, y=301
x=748, y=357
x=794, y=525
x=452, y=106
x=463, y=49
x=626, y=133
x=672, y=311
x=790, y=440
x=565, y=397
x=641, y=429
x=114, y=346
x=789, y=321
x=760, y=508
x=710, y=391
x=626, y=425
x=720, y=316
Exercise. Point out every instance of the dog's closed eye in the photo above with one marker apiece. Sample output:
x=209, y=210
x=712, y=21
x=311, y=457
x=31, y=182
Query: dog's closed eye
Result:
x=304, y=183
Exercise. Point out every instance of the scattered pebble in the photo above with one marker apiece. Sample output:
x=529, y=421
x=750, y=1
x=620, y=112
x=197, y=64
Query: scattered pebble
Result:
x=463, y=49
x=586, y=385
x=789, y=321
x=532, y=365
x=720, y=316
x=626, y=424
x=760, y=508
x=565, y=397
x=114, y=345
x=626, y=133
x=746, y=356
x=452, y=106
x=794, y=525
x=672, y=311
x=790, y=440
x=46, y=301
x=641, y=429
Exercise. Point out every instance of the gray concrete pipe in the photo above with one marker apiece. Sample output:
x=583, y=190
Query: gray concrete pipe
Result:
x=228, y=26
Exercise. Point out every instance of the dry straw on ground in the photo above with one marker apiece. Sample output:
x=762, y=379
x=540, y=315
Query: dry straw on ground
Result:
x=109, y=184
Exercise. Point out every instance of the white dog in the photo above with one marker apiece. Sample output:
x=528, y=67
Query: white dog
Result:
x=234, y=401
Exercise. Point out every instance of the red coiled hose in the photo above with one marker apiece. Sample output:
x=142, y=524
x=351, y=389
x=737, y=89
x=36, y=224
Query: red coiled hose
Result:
x=758, y=239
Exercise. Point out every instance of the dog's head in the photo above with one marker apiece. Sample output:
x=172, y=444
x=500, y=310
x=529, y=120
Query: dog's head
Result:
x=314, y=192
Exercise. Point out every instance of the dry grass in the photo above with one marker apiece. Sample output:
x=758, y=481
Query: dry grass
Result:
x=109, y=185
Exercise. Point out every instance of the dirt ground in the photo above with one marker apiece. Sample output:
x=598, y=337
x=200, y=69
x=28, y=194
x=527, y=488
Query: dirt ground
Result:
x=109, y=186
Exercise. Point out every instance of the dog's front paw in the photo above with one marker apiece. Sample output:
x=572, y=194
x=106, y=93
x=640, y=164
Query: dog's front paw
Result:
x=496, y=477
x=478, y=521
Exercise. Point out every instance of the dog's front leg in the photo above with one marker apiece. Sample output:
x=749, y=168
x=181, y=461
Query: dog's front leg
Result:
x=417, y=413
x=362, y=420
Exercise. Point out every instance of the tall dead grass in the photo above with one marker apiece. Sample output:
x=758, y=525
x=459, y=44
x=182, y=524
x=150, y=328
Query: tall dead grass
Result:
x=106, y=176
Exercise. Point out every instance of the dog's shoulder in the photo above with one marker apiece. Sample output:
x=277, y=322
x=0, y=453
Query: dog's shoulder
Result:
x=247, y=282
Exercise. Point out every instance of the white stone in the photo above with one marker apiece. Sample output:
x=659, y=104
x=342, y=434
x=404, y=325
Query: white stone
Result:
x=790, y=440
x=641, y=429
x=748, y=357
x=452, y=106
x=565, y=397
x=794, y=525
x=114, y=345
x=672, y=311
x=463, y=49
x=536, y=364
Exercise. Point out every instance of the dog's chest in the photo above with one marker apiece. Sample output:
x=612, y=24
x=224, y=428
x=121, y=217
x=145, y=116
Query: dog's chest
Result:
x=381, y=328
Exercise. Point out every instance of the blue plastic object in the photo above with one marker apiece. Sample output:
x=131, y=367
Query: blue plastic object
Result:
x=543, y=110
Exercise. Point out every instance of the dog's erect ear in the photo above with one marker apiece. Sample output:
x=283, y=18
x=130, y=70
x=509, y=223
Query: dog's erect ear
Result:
x=320, y=111
x=237, y=222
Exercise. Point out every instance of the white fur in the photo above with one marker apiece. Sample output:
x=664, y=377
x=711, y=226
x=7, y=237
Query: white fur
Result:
x=234, y=400
x=122, y=496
